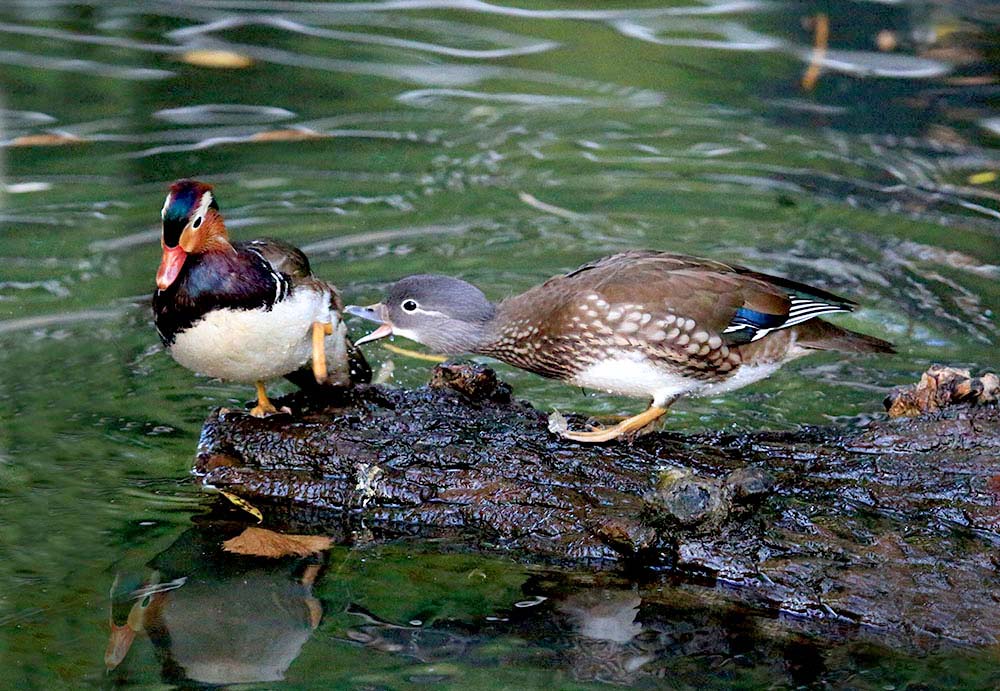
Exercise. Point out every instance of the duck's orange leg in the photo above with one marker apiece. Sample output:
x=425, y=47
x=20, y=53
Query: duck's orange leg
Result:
x=625, y=427
x=264, y=406
x=320, y=331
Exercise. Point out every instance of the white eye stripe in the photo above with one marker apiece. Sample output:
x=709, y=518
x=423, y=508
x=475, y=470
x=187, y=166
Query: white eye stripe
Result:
x=429, y=313
x=163, y=211
x=417, y=309
x=206, y=201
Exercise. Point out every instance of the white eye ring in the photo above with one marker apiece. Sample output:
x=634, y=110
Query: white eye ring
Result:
x=409, y=305
x=196, y=223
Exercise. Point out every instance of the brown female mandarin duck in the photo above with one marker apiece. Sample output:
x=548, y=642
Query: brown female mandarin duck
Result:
x=245, y=311
x=642, y=323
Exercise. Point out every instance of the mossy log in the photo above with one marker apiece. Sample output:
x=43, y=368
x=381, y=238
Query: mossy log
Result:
x=893, y=524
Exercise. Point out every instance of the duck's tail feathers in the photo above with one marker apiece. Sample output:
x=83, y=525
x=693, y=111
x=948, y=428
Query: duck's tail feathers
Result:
x=822, y=335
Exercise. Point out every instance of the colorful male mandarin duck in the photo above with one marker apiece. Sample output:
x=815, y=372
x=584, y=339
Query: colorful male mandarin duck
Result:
x=245, y=311
x=641, y=323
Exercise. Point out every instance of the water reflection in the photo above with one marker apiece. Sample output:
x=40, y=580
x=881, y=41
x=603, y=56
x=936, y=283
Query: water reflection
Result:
x=215, y=617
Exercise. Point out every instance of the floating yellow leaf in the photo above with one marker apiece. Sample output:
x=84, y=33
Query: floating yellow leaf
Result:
x=245, y=505
x=972, y=80
x=886, y=40
x=987, y=176
x=258, y=542
x=821, y=26
x=48, y=139
x=944, y=29
x=286, y=135
x=413, y=354
x=220, y=59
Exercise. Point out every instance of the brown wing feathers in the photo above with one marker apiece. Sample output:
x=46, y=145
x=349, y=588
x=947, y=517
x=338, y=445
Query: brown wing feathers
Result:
x=742, y=304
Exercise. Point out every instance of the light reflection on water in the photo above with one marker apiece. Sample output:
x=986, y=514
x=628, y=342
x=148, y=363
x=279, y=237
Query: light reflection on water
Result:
x=502, y=144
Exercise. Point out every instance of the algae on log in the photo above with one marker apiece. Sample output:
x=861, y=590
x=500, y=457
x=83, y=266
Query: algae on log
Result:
x=895, y=524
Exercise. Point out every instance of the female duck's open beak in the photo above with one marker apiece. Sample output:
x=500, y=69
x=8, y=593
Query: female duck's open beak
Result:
x=378, y=313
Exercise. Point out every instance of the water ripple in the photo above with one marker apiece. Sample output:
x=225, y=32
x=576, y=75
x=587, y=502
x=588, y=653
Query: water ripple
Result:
x=371, y=238
x=708, y=7
x=92, y=67
x=869, y=64
x=732, y=36
x=519, y=45
x=59, y=319
x=75, y=37
x=393, y=42
x=992, y=125
x=423, y=97
x=298, y=134
x=223, y=114
x=16, y=119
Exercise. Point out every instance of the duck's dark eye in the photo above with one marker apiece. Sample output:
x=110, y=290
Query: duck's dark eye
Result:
x=197, y=223
x=409, y=305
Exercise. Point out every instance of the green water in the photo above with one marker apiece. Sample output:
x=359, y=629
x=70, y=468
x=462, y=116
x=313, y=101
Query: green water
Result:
x=502, y=144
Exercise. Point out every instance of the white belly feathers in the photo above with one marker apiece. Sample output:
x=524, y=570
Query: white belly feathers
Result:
x=631, y=374
x=250, y=345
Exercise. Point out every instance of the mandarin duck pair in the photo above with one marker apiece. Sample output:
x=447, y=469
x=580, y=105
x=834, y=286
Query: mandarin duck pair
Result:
x=643, y=324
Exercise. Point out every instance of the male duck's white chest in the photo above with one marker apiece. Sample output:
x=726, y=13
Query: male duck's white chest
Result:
x=251, y=345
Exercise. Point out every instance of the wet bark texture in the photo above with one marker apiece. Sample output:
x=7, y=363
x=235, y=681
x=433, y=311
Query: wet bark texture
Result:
x=896, y=524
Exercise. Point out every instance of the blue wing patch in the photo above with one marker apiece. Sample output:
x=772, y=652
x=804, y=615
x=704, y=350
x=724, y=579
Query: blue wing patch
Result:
x=757, y=320
x=749, y=325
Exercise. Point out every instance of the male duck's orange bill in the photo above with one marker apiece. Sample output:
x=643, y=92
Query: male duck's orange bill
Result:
x=170, y=266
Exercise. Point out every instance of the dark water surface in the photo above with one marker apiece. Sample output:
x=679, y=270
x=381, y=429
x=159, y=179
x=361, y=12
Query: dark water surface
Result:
x=501, y=143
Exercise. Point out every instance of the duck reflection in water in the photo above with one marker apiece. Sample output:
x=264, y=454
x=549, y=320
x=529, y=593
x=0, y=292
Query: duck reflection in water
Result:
x=219, y=618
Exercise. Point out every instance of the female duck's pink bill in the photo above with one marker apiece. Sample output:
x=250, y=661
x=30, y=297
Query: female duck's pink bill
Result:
x=377, y=313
